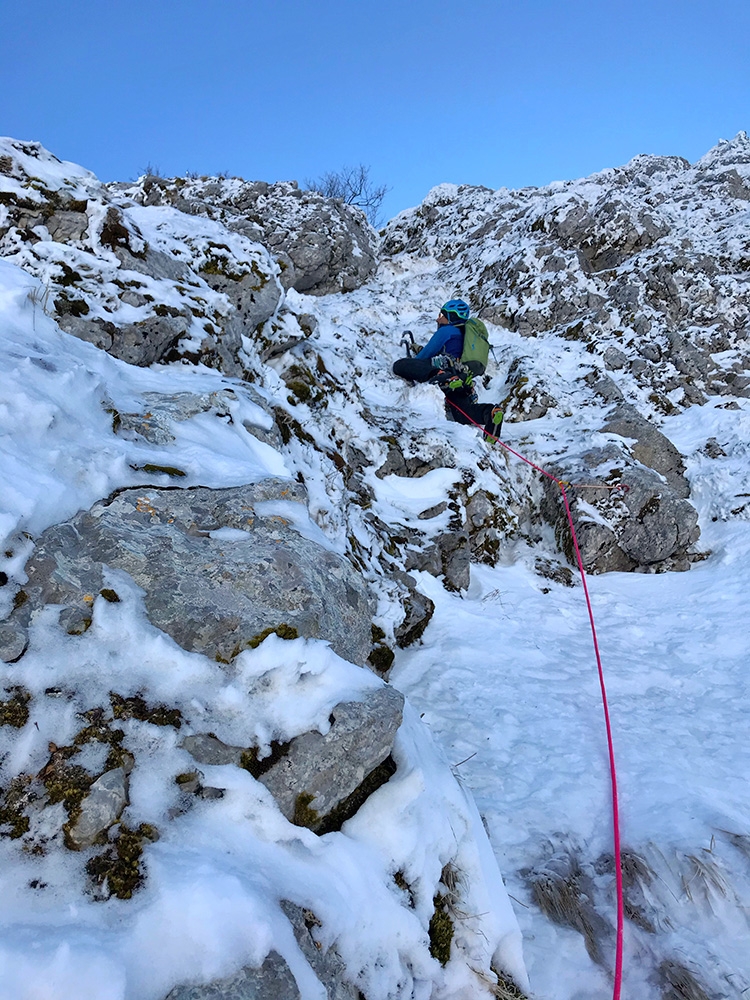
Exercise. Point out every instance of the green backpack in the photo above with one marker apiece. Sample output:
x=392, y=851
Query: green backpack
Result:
x=476, y=350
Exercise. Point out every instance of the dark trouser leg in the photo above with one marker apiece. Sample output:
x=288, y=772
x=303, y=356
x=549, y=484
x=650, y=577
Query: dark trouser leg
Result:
x=414, y=369
x=460, y=407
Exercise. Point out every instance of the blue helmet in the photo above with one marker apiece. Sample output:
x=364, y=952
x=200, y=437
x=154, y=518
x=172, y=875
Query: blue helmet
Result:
x=456, y=311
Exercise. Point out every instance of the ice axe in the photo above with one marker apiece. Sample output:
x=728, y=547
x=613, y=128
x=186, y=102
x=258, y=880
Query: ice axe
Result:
x=408, y=343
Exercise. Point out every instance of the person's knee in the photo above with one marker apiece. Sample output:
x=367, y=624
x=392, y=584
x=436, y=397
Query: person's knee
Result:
x=412, y=369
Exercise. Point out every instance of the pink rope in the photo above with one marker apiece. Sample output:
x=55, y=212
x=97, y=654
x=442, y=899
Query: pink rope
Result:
x=610, y=741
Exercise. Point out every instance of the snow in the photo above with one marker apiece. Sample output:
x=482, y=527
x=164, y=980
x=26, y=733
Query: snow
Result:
x=502, y=691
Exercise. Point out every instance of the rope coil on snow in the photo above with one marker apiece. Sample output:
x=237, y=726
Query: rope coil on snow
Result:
x=610, y=742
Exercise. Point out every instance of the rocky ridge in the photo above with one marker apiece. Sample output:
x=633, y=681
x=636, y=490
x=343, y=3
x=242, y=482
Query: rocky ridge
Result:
x=647, y=265
x=322, y=244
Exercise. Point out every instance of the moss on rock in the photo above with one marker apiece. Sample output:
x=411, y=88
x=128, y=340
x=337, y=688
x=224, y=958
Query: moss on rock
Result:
x=135, y=707
x=440, y=930
x=15, y=711
x=381, y=658
x=250, y=761
x=118, y=870
x=14, y=822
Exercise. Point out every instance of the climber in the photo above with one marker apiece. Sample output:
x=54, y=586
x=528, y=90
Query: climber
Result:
x=440, y=362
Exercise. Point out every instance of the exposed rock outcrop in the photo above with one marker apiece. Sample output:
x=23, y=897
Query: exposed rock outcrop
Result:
x=322, y=244
x=320, y=780
x=127, y=268
x=636, y=520
x=217, y=570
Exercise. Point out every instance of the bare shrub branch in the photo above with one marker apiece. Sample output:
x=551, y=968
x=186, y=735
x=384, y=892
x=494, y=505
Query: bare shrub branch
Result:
x=353, y=186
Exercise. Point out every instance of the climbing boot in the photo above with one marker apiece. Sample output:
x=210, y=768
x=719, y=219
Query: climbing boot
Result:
x=493, y=423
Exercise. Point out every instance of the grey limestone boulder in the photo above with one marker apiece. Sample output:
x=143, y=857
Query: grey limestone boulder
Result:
x=217, y=572
x=652, y=448
x=102, y=807
x=317, y=776
x=319, y=781
x=662, y=524
x=647, y=526
x=255, y=296
x=66, y=226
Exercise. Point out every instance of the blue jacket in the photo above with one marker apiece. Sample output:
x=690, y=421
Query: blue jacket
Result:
x=445, y=340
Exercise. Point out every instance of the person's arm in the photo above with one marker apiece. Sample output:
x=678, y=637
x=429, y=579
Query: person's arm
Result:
x=436, y=343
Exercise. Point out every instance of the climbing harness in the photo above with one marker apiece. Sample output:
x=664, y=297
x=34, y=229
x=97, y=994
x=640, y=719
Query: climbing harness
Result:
x=610, y=742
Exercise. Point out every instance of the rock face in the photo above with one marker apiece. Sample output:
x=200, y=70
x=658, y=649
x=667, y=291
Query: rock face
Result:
x=141, y=285
x=274, y=980
x=322, y=244
x=643, y=271
x=217, y=571
x=322, y=778
x=645, y=264
x=651, y=448
x=636, y=521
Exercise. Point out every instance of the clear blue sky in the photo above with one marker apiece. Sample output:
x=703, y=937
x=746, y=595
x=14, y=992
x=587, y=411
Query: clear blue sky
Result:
x=493, y=92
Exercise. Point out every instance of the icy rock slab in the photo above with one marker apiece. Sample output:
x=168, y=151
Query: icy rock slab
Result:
x=217, y=574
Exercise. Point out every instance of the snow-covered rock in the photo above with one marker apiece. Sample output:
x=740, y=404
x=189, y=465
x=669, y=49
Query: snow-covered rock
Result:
x=221, y=569
x=650, y=258
x=322, y=244
x=139, y=283
x=227, y=854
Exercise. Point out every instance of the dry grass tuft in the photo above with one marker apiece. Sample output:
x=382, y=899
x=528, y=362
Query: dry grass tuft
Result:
x=705, y=875
x=565, y=894
x=679, y=983
x=506, y=989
